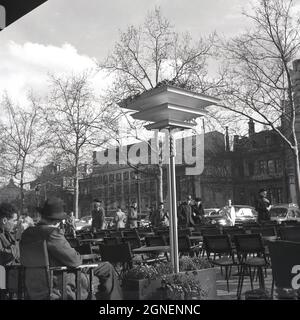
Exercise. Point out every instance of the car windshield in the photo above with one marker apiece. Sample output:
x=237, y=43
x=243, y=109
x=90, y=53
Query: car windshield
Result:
x=278, y=212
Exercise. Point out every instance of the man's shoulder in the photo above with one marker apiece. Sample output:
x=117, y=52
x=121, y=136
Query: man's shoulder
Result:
x=39, y=232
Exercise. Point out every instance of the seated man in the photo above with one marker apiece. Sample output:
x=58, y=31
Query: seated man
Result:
x=62, y=254
x=9, y=250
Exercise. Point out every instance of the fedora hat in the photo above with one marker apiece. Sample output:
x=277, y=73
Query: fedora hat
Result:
x=53, y=210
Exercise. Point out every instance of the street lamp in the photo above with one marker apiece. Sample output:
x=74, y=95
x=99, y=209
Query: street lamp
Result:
x=169, y=107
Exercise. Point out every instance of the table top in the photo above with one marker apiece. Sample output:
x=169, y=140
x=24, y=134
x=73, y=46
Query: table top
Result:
x=91, y=240
x=151, y=249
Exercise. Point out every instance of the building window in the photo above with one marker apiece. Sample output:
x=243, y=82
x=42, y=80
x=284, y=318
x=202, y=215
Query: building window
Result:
x=271, y=166
x=126, y=175
x=105, y=179
x=268, y=140
x=262, y=166
x=132, y=175
x=118, y=176
x=111, y=177
x=251, y=168
x=278, y=166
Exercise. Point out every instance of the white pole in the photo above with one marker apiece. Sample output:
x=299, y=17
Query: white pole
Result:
x=173, y=206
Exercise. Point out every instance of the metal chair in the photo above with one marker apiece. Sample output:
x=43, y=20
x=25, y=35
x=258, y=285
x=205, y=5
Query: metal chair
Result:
x=285, y=255
x=220, y=246
x=290, y=233
x=119, y=255
x=251, y=254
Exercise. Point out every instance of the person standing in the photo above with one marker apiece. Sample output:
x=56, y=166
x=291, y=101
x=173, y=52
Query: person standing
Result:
x=120, y=219
x=160, y=217
x=185, y=215
x=263, y=206
x=198, y=211
x=98, y=215
x=133, y=216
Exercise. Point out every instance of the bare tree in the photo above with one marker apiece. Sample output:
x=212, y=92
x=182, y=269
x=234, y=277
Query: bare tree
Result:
x=151, y=54
x=23, y=141
x=259, y=84
x=77, y=122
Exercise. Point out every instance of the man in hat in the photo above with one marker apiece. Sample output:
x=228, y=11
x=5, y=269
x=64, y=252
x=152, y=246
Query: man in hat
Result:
x=62, y=254
x=263, y=206
x=198, y=211
x=98, y=215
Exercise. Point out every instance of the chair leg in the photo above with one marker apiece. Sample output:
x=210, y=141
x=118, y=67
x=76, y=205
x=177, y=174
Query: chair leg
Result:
x=251, y=279
x=226, y=277
x=272, y=288
x=241, y=281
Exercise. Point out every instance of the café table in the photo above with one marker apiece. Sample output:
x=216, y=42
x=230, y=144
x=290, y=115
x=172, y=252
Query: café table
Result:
x=153, y=249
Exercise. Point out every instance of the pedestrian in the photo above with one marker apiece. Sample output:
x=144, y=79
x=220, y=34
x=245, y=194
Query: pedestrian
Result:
x=60, y=253
x=133, y=216
x=263, y=206
x=185, y=215
x=160, y=217
x=198, y=211
x=98, y=216
x=120, y=219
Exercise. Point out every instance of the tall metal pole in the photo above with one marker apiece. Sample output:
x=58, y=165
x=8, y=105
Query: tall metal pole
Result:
x=173, y=206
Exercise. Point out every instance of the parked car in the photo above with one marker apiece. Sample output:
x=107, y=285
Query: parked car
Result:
x=214, y=216
x=209, y=211
x=285, y=212
x=243, y=214
x=84, y=223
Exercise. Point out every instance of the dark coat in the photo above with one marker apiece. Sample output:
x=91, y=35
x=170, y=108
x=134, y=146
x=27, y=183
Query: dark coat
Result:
x=198, y=213
x=98, y=218
x=9, y=249
x=261, y=207
x=185, y=215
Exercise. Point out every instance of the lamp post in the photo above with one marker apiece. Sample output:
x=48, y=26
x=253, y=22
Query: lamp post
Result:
x=169, y=107
x=138, y=189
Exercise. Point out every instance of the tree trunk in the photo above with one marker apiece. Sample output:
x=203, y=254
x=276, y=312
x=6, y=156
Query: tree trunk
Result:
x=22, y=187
x=297, y=173
x=76, y=191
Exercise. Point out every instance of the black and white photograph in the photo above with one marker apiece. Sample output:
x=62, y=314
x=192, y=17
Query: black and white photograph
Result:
x=149, y=151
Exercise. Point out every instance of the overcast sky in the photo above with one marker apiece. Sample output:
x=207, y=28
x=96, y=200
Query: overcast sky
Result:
x=65, y=35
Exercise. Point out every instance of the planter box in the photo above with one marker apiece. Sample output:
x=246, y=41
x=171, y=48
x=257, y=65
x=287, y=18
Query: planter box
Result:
x=143, y=289
x=205, y=279
x=152, y=289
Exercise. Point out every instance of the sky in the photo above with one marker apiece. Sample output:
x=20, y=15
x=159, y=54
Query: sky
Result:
x=69, y=35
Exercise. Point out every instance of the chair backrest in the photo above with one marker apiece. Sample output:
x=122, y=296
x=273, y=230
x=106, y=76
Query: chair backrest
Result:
x=290, y=233
x=85, y=248
x=232, y=231
x=265, y=231
x=87, y=235
x=219, y=244
x=73, y=242
x=130, y=234
x=117, y=253
x=249, y=243
x=135, y=242
x=210, y=231
x=155, y=241
x=184, y=232
x=184, y=243
x=100, y=234
x=285, y=255
x=34, y=258
x=111, y=240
